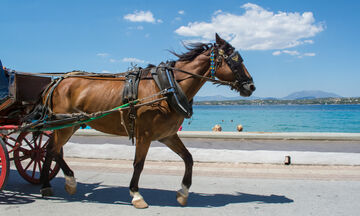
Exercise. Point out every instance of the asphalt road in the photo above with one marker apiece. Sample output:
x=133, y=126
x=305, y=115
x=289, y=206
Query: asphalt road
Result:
x=218, y=189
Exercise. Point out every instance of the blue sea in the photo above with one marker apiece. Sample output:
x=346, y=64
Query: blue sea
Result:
x=276, y=118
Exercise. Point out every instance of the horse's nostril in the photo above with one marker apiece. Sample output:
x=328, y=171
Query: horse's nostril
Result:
x=252, y=87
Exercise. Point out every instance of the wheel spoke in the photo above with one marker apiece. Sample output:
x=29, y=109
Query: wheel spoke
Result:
x=34, y=170
x=39, y=166
x=34, y=142
x=24, y=150
x=29, y=143
x=27, y=167
x=24, y=157
x=8, y=143
x=46, y=143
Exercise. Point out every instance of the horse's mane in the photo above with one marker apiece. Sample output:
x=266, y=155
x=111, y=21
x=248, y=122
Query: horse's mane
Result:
x=194, y=49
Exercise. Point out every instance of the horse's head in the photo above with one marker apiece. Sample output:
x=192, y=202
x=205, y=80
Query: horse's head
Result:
x=229, y=66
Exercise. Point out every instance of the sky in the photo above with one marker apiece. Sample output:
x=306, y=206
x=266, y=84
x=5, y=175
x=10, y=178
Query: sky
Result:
x=287, y=46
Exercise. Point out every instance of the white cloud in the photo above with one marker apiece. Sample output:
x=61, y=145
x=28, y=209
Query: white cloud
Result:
x=133, y=60
x=102, y=54
x=292, y=53
x=257, y=28
x=136, y=28
x=142, y=16
x=309, y=54
x=181, y=12
x=276, y=53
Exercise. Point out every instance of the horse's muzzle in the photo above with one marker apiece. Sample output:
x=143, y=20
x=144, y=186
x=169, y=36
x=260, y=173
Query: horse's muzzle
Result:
x=247, y=89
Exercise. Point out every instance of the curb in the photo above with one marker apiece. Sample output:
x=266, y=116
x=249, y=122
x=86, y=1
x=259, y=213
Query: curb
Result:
x=126, y=152
x=94, y=144
x=251, y=135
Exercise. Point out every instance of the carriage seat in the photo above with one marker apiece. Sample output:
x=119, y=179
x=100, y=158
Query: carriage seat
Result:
x=4, y=84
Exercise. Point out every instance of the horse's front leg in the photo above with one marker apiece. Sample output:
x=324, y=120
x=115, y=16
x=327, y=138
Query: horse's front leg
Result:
x=142, y=147
x=175, y=144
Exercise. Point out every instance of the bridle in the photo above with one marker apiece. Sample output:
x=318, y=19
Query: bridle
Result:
x=234, y=61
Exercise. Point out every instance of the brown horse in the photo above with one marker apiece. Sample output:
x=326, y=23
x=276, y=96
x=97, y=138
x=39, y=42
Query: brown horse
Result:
x=158, y=121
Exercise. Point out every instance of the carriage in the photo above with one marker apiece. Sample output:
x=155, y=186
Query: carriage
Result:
x=19, y=93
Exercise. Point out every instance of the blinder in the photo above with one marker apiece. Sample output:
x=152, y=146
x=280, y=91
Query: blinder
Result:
x=234, y=61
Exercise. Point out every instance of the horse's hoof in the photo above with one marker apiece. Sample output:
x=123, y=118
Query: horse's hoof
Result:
x=139, y=203
x=182, y=200
x=45, y=192
x=70, y=185
x=70, y=190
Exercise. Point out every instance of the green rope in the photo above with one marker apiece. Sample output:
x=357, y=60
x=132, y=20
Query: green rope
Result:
x=84, y=121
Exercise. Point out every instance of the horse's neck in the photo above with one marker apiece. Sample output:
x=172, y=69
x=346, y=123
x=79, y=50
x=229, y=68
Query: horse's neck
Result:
x=200, y=66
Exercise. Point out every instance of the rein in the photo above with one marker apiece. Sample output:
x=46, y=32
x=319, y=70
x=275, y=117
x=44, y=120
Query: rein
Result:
x=213, y=80
x=81, y=118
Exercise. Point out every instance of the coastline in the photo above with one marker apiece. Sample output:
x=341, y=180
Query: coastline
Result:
x=275, y=101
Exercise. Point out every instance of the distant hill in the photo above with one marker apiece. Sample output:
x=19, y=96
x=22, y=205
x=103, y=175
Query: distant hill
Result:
x=293, y=96
x=222, y=98
x=310, y=95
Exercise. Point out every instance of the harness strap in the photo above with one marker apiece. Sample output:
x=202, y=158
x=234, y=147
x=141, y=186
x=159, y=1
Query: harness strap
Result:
x=212, y=63
x=47, y=108
x=123, y=122
x=48, y=100
x=132, y=118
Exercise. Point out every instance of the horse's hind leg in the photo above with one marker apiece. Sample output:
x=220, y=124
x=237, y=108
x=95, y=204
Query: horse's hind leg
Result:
x=70, y=181
x=175, y=144
x=46, y=189
x=59, y=139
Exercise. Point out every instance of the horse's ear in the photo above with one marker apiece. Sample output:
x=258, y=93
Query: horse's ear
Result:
x=219, y=40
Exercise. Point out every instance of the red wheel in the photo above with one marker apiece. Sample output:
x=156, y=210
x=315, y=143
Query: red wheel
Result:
x=4, y=164
x=30, y=156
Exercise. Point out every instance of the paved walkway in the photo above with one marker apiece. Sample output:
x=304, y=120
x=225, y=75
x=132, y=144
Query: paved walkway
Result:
x=218, y=189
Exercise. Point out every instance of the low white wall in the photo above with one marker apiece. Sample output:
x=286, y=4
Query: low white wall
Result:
x=252, y=135
x=91, y=144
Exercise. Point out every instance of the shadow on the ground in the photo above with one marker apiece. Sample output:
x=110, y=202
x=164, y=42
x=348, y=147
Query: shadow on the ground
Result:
x=20, y=192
